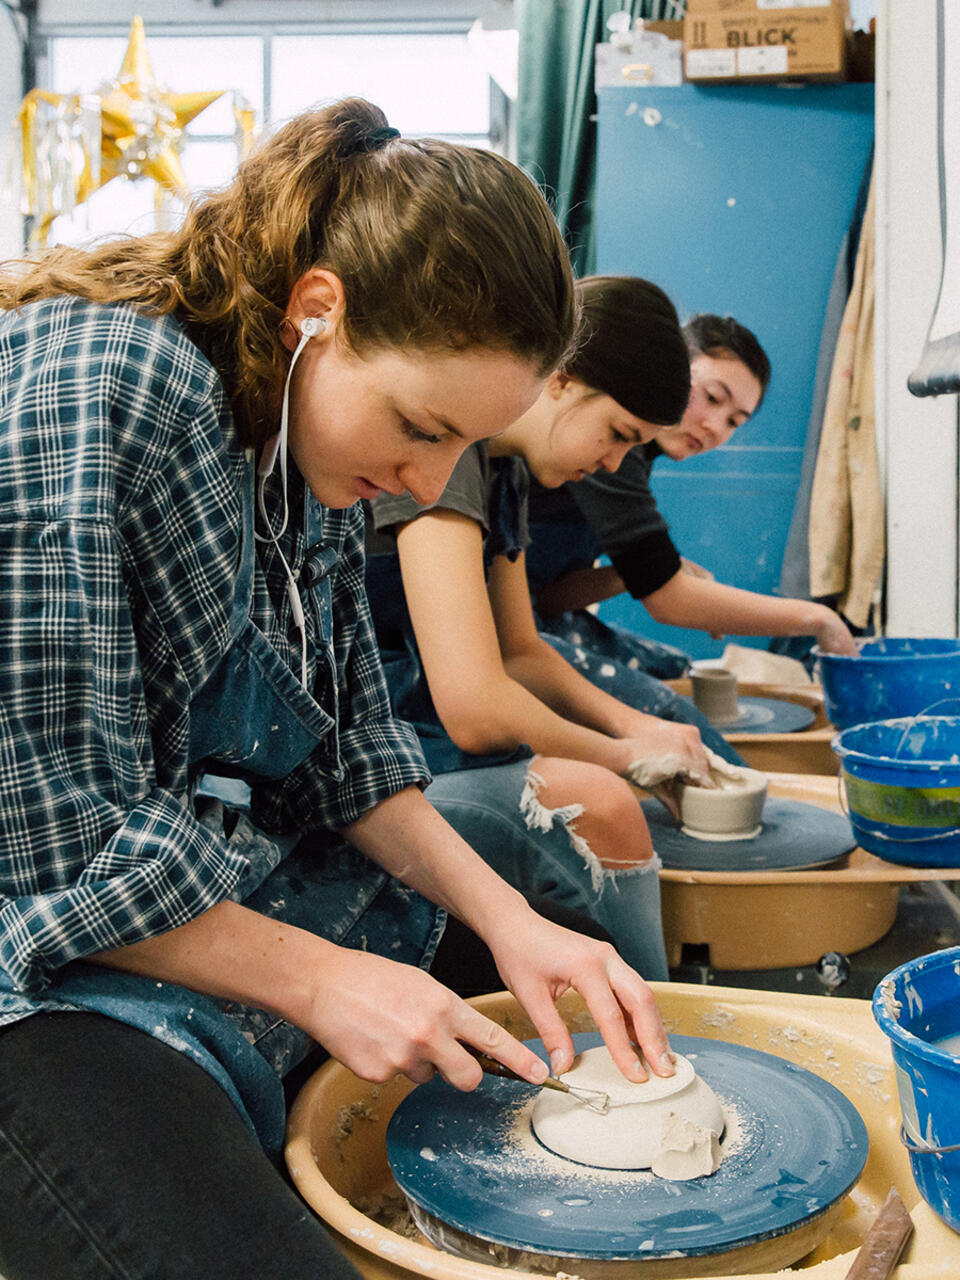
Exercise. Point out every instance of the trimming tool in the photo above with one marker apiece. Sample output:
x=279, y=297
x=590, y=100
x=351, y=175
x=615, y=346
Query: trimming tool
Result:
x=592, y=1098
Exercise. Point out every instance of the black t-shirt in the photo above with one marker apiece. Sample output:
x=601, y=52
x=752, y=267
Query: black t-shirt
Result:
x=613, y=514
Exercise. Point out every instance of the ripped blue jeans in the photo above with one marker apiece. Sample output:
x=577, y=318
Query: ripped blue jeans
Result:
x=539, y=851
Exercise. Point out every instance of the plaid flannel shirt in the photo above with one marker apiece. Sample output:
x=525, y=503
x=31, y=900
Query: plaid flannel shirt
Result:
x=120, y=528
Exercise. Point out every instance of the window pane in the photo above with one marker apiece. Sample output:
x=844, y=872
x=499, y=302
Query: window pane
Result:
x=180, y=64
x=117, y=208
x=424, y=83
x=82, y=63
x=208, y=164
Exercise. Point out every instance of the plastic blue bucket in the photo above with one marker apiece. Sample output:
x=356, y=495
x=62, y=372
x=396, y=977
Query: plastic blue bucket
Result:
x=889, y=678
x=915, y=1006
x=902, y=781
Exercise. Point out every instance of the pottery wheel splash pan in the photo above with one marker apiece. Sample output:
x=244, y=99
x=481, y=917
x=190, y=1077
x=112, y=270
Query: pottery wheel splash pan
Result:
x=794, y=1145
x=766, y=715
x=794, y=836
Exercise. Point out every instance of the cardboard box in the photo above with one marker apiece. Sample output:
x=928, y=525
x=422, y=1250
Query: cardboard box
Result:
x=762, y=40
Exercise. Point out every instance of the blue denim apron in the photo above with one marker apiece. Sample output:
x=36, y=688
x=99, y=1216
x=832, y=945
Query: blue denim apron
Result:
x=253, y=719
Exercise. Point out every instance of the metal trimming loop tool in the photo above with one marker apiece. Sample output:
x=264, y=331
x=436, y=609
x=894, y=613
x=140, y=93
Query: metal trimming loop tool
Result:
x=592, y=1098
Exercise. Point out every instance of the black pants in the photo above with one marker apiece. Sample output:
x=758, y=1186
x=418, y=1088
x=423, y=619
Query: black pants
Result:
x=119, y=1157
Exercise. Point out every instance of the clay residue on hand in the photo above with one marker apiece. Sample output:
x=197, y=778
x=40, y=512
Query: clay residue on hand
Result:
x=729, y=781
x=650, y=773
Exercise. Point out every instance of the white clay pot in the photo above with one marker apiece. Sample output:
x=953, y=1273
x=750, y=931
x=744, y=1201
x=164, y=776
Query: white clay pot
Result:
x=733, y=810
x=631, y=1134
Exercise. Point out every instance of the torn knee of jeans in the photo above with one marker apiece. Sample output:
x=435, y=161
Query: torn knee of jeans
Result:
x=536, y=814
x=539, y=818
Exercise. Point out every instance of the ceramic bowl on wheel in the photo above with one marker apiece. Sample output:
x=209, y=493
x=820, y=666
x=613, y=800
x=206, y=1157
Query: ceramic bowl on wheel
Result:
x=731, y=810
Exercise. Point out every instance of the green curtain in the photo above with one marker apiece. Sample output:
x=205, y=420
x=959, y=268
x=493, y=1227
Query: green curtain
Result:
x=556, y=104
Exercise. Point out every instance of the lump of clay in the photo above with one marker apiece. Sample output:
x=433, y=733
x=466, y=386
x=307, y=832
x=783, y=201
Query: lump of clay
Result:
x=672, y=1123
x=687, y=1150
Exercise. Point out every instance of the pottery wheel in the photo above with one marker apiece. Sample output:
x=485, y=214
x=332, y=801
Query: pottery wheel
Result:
x=793, y=837
x=793, y=1146
x=767, y=715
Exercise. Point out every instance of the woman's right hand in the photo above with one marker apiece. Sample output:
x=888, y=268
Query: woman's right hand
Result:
x=663, y=750
x=833, y=634
x=381, y=1019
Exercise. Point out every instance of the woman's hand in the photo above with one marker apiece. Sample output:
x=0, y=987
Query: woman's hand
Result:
x=833, y=635
x=381, y=1019
x=376, y=1016
x=658, y=750
x=539, y=961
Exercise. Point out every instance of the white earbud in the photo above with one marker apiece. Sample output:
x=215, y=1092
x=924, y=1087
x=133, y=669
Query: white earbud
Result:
x=310, y=326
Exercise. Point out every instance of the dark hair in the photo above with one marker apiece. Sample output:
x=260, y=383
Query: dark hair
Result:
x=438, y=246
x=630, y=346
x=709, y=335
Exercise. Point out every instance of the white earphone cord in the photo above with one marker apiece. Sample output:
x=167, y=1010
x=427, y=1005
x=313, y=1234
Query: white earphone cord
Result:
x=310, y=326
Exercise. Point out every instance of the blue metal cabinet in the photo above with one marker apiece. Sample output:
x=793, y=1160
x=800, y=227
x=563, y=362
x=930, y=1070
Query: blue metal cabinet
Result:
x=735, y=199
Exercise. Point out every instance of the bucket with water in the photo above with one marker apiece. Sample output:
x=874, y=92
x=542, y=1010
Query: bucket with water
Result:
x=902, y=783
x=890, y=677
x=918, y=1008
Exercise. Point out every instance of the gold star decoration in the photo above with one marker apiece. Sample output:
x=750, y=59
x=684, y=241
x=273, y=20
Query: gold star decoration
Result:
x=141, y=123
x=73, y=144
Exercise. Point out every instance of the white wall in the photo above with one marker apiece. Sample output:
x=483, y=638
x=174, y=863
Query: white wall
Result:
x=861, y=12
x=11, y=223
x=918, y=436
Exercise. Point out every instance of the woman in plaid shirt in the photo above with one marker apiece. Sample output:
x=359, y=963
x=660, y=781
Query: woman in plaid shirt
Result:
x=214, y=847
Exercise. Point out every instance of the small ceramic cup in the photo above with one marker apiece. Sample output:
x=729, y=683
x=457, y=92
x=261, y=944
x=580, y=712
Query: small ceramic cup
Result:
x=715, y=694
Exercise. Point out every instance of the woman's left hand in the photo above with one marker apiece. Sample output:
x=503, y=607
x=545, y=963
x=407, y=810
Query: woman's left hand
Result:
x=539, y=961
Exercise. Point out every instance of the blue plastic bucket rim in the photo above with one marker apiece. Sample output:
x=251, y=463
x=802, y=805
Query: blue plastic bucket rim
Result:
x=901, y=762
x=887, y=1021
x=952, y=643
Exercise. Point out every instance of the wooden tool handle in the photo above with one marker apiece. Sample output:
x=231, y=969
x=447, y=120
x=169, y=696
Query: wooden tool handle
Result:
x=593, y=1098
x=491, y=1066
x=883, y=1243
